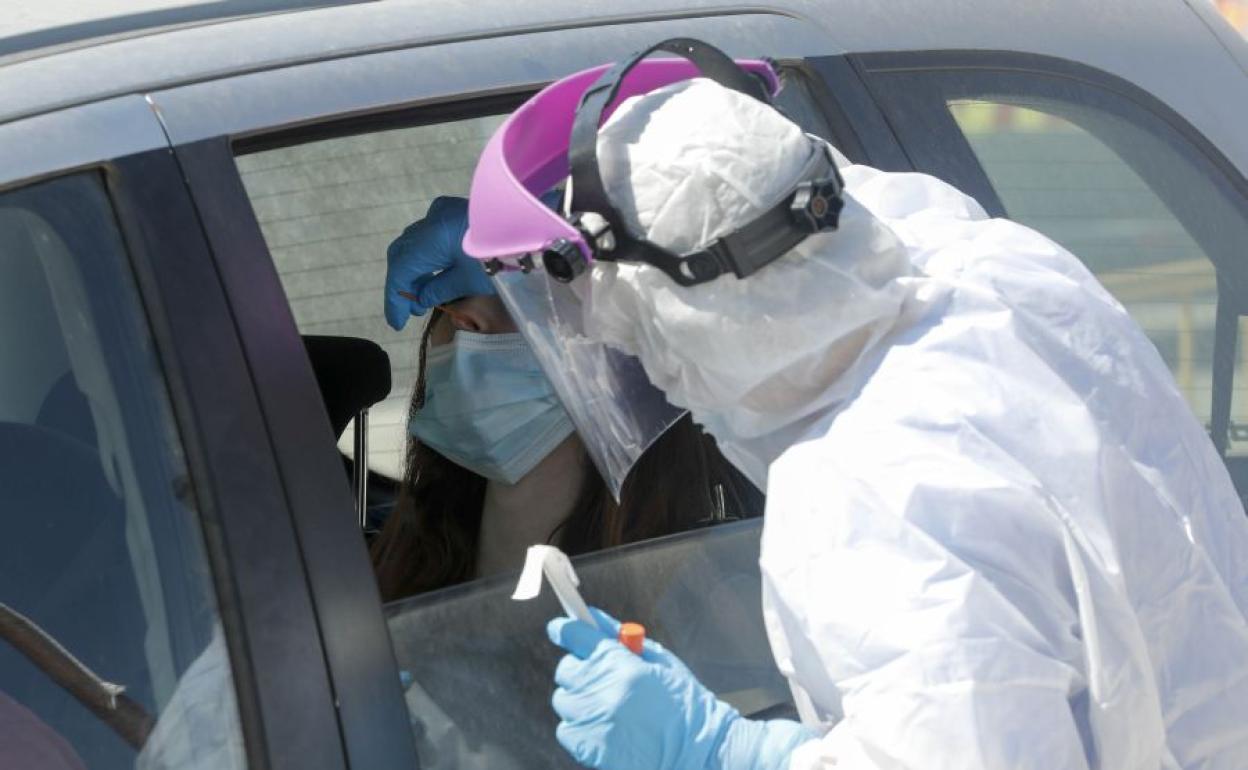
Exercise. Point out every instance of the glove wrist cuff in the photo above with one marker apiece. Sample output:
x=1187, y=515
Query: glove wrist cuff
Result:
x=759, y=745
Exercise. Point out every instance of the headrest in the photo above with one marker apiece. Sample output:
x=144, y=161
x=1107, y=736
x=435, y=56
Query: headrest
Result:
x=65, y=408
x=353, y=374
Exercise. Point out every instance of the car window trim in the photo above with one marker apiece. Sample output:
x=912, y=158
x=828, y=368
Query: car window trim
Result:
x=932, y=65
x=401, y=117
x=850, y=103
x=1225, y=342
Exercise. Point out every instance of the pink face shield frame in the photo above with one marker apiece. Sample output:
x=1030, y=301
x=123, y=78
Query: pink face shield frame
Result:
x=528, y=155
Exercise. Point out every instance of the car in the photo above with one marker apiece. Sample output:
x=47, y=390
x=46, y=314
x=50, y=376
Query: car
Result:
x=189, y=199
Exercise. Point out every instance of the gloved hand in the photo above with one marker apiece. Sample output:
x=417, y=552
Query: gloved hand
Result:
x=622, y=711
x=428, y=263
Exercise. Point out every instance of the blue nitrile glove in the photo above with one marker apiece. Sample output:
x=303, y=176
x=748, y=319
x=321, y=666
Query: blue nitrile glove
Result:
x=428, y=262
x=622, y=711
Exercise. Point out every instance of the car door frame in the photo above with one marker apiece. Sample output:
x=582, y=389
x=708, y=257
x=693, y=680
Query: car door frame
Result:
x=283, y=694
x=926, y=95
x=205, y=120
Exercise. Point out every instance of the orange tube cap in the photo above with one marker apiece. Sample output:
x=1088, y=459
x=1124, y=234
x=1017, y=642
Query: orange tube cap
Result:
x=632, y=635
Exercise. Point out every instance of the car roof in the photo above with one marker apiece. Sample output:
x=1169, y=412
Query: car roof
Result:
x=65, y=24
x=1182, y=53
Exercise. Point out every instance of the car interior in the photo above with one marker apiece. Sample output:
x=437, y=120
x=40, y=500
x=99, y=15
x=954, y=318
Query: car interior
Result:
x=83, y=597
x=353, y=375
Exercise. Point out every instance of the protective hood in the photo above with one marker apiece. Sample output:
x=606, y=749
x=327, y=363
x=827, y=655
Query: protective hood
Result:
x=755, y=359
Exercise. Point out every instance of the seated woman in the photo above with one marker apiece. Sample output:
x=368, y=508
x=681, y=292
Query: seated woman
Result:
x=493, y=463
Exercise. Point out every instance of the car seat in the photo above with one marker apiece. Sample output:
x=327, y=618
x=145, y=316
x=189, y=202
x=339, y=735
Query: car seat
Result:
x=65, y=564
x=353, y=375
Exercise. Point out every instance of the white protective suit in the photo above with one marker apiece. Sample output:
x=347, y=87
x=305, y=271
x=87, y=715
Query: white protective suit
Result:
x=996, y=537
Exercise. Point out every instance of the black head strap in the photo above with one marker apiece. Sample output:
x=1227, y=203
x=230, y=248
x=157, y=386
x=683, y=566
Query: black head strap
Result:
x=589, y=193
x=814, y=206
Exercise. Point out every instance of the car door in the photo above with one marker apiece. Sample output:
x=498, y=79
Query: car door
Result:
x=1112, y=174
x=302, y=175
x=154, y=610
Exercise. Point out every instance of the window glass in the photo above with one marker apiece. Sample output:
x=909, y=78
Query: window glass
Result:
x=1088, y=179
x=472, y=659
x=111, y=652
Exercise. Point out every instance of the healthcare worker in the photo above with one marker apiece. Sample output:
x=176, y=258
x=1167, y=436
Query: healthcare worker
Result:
x=995, y=535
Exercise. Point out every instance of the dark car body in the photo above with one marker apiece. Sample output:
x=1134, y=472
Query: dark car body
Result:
x=157, y=117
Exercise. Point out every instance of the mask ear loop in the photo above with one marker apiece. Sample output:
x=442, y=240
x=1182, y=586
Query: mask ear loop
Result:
x=813, y=206
x=418, y=397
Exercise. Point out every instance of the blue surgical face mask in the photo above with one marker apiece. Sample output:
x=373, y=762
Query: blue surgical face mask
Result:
x=488, y=406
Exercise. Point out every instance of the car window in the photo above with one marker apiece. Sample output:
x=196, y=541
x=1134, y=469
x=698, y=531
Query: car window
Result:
x=472, y=660
x=797, y=101
x=1055, y=175
x=111, y=650
x=1112, y=174
x=1061, y=180
x=328, y=209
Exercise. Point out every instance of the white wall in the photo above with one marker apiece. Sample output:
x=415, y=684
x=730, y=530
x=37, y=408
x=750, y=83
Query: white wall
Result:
x=328, y=211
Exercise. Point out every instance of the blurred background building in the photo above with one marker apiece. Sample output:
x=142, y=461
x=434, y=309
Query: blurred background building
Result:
x=1236, y=11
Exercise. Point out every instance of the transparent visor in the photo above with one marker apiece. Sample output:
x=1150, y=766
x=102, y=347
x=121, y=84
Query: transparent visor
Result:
x=615, y=409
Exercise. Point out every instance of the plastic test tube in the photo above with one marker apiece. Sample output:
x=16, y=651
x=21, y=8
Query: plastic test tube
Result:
x=549, y=562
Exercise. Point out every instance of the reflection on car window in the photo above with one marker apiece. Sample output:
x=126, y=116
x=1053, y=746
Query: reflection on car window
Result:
x=472, y=659
x=1058, y=167
x=111, y=653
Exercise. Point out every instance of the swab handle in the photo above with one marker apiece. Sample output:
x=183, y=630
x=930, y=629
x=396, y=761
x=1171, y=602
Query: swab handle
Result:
x=553, y=564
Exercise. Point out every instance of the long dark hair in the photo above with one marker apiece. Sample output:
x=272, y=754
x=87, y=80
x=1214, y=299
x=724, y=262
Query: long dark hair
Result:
x=430, y=538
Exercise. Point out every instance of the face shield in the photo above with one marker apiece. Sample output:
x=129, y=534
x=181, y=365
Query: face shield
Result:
x=536, y=254
x=615, y=409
